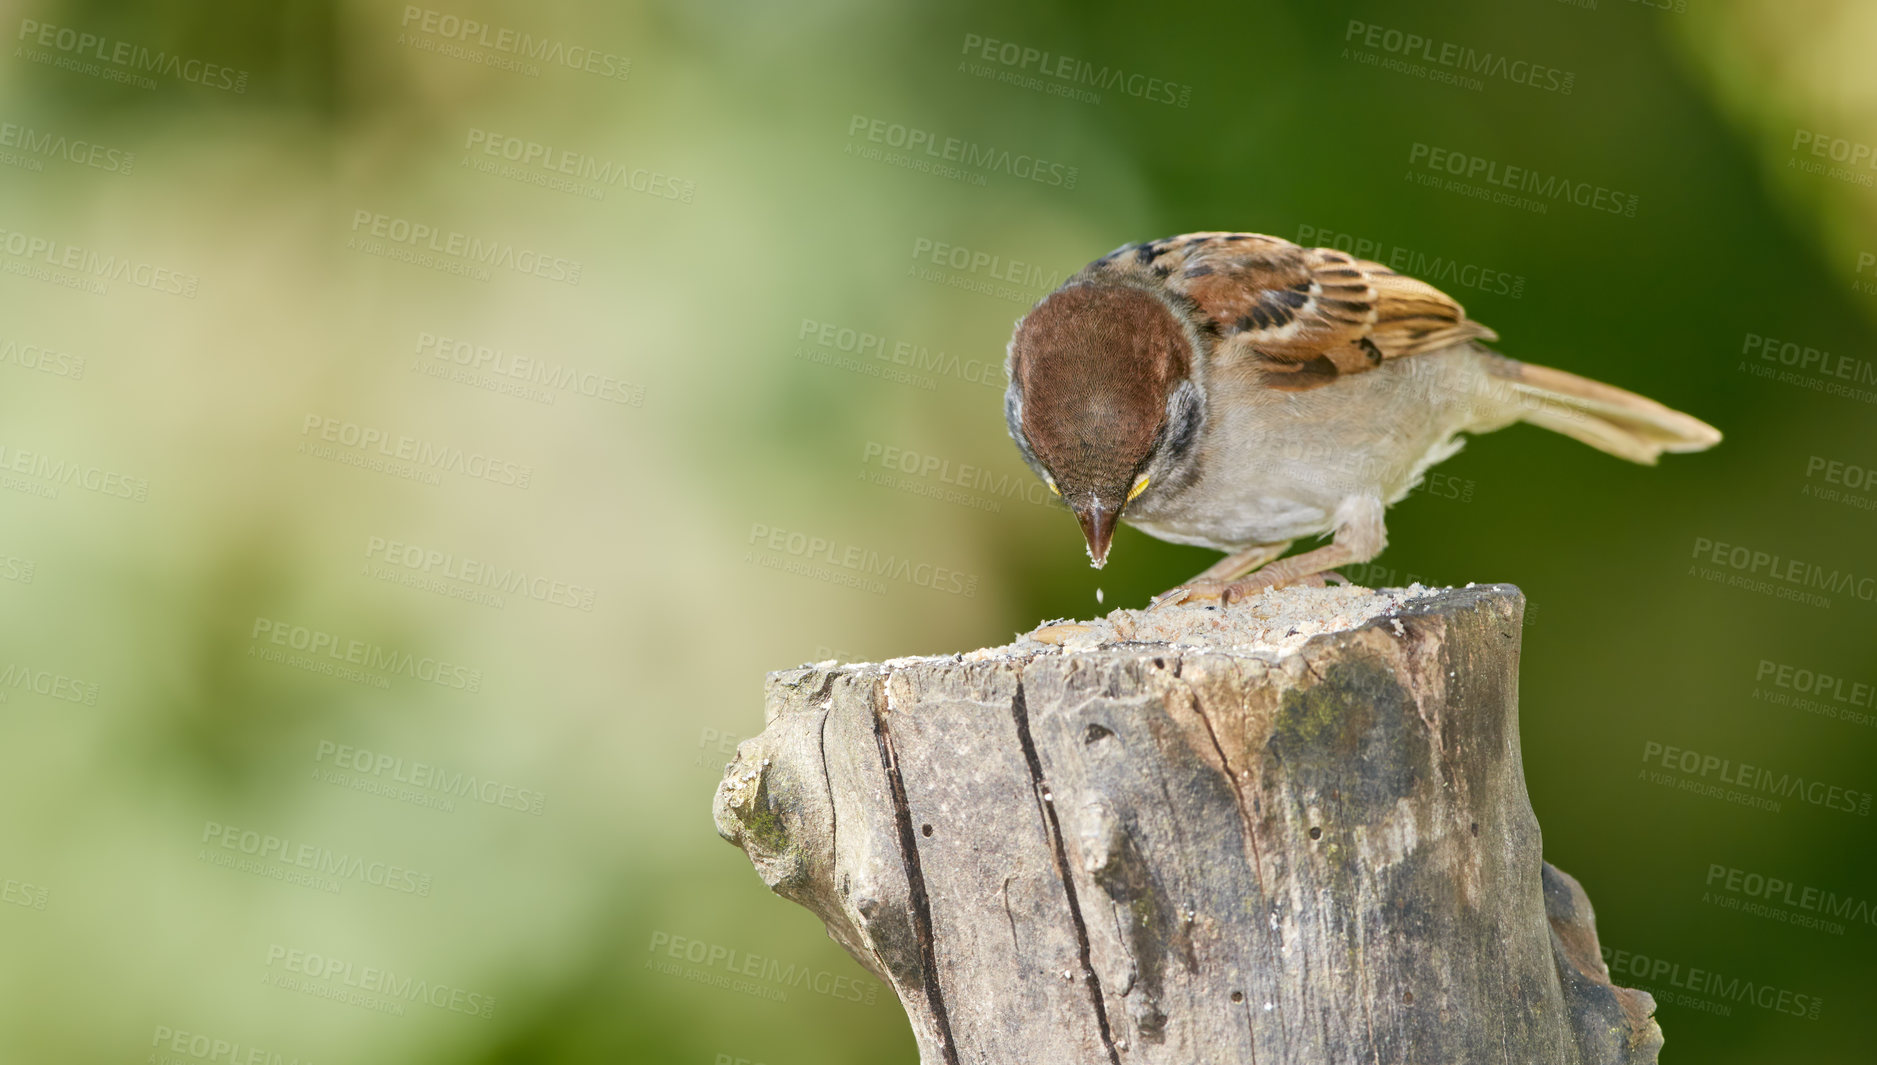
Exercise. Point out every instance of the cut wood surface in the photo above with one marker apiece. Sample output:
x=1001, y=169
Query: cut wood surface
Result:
x=1292, y=831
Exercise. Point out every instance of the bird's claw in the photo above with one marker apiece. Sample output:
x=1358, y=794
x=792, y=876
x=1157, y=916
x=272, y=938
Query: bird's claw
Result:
x=1225, y=594
x=1196, y=591
x=1264, y=582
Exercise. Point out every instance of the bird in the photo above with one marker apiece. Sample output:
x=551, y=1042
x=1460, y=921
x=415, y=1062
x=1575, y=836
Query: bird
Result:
x=1241, y=392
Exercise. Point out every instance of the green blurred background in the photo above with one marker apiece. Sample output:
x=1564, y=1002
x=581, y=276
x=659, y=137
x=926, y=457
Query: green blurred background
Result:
x=714, y=305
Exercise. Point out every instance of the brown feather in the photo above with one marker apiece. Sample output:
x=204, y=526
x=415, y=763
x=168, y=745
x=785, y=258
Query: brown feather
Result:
x=1095, y=364
x=1304, y=317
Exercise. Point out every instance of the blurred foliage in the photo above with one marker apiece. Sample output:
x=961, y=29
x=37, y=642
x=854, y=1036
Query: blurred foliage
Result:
x=712, y=309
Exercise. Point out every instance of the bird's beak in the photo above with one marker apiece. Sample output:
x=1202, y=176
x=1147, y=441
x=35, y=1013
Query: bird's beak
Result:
x=1098, y=520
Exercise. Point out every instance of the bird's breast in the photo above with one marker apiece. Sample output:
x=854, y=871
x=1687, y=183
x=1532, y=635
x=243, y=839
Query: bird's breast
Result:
x=1274, y=465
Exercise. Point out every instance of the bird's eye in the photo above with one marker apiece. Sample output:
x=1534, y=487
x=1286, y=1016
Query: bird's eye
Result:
x=1139, y=487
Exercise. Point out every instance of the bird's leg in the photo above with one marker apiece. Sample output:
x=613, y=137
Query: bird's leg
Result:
x=1359, y=536
x=1213, y=582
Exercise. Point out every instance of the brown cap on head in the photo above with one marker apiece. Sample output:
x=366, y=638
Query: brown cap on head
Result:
x=1093, y=365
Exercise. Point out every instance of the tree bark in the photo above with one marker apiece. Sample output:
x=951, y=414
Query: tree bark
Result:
x=1292, y=832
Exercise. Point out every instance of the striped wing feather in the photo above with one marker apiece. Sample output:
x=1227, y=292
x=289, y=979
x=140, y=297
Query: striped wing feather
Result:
x=1303, y=316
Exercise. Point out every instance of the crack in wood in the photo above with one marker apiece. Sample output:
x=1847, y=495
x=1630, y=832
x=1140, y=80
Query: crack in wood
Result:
x=1008, y=916
x=1020, y=714
x=834, y=808
x=1231, y=780
x=915, y=881
x=1246, y=818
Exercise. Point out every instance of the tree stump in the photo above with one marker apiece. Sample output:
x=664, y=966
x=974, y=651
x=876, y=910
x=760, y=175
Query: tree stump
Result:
x=1293, y=831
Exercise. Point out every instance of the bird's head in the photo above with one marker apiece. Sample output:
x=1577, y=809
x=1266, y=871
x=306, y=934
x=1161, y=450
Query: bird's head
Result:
x=1102, y=401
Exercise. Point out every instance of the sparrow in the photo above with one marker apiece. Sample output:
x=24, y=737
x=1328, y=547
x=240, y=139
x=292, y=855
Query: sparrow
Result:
x=1240, y=392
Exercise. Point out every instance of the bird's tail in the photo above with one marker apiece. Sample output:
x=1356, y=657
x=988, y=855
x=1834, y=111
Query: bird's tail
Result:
x=1607, y=418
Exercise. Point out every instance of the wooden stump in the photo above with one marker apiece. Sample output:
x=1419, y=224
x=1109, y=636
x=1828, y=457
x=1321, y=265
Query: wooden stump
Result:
x=1295, y=831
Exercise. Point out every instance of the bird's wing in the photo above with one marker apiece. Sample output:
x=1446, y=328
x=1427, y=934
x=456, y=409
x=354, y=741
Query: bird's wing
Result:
x=1302, y=316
